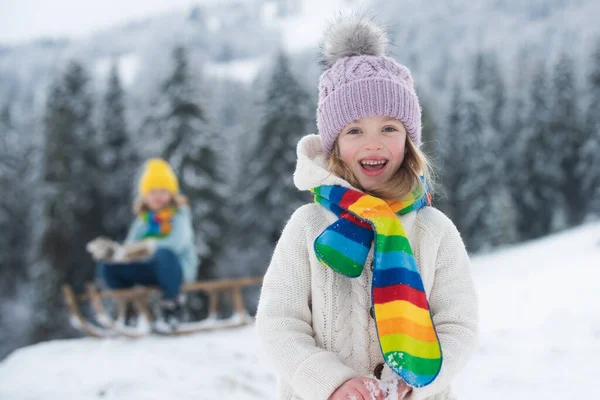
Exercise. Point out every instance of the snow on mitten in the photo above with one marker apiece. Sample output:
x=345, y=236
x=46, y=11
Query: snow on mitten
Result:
x=102, y=249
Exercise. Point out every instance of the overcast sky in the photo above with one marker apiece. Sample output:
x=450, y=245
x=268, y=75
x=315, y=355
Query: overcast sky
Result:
x=22, y=20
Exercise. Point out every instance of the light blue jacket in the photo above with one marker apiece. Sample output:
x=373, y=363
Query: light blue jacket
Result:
x=180, y=240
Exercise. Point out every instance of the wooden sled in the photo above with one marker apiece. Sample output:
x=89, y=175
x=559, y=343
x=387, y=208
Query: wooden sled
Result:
x=105, y=325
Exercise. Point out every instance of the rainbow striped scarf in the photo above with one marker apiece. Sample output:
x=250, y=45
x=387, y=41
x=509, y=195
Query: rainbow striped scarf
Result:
x=159, y=223
x=407, y=337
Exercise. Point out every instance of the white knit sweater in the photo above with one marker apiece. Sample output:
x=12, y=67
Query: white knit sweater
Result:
x=315, y=324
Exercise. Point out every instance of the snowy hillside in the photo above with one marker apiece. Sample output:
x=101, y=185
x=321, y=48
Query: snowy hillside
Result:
x=540, y=320
x=217, y=34
x=434, y=41
x=540, y=334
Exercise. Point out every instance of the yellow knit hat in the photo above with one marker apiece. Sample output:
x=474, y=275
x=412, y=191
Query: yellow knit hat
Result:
x=158, y=175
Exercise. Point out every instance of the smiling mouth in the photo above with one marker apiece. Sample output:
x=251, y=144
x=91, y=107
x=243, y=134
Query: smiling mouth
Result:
x=373, y=165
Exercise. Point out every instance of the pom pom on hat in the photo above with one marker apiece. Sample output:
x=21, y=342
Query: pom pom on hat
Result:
x=158, y=174
x=361, y=81
x=352, y=36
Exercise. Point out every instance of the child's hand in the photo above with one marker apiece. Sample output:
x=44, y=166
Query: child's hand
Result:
x=393, y=387
x=361, y=388
x=139, y=250
x=403, y=389
x=102, y=249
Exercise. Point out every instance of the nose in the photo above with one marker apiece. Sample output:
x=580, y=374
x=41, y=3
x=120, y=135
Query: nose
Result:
x=373, y=143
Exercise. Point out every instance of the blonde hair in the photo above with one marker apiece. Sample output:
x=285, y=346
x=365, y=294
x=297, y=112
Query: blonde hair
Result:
x=414, y=166
x=140, y=206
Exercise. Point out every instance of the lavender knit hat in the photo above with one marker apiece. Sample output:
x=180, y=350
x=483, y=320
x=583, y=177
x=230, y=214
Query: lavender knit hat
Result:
x=361, y=81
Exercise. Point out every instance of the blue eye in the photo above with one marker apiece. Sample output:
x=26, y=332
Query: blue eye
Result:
x=354, y=131
x=389, y=129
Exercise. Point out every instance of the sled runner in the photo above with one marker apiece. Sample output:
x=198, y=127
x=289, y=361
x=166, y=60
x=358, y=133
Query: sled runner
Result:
x=106, y=303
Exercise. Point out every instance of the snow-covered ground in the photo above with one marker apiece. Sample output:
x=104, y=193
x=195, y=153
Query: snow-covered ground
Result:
x=540, y=320
x=540, y=335
x=223, y=365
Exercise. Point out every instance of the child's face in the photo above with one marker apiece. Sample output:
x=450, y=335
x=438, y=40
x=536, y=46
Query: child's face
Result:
x=158, y=199
x=373, y=148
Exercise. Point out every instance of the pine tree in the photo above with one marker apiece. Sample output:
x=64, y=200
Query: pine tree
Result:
x=500, y=141
x=71, y=200
x=267, y=195
x=182, y=118
x=567, y=136
x=429, y=134
x=516, y=177
x=452, y=171
x=192, y=150
x=590, y=150
x=538, y=184
x=236, y=117
x=15, y=164
x=476, y=200
x=117, y=160
x=16, y=202
x=474, y=194
x=6, y=123
x=488, y=82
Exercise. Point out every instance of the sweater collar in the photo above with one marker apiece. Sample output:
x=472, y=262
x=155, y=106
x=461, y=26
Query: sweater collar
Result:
x=311, y=167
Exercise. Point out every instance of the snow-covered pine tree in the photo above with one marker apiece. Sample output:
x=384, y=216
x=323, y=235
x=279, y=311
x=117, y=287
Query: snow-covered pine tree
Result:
x=266, y=192
x=430, y=139
x=234, y=114
x=202, y=180
x=590, y=151
x=516, y=107
x=451, y=171
x=473, y=200
x=488, y=84
x=177, y=116
x=6, y=124
x=191, y=147
x=7, y=220
x=15, y=203
x=432, y=148
x=48, y=270
x=567, y=136
x=515, y=175
x=538, y=185
x=71, y=198
x=117, y=159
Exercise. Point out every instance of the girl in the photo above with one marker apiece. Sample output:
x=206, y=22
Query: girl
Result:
x=162, y=232
x=370, y=282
